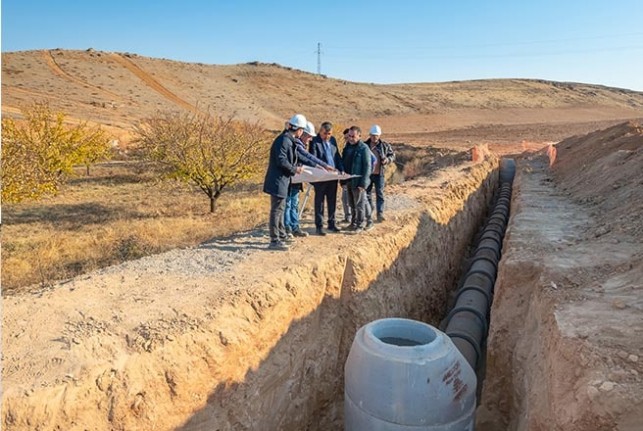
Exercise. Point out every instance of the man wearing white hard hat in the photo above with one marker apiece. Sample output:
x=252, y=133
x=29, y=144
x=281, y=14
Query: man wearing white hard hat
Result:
x=324, y=147
x=385, y=156
x=282, y=165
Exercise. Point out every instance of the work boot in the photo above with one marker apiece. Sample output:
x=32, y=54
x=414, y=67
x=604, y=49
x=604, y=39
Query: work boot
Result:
x=334, y=229
x=287, y=239
x=320, y=231
x=369, y=226
x=300, y=233
x=278, y=245
x=380, y=218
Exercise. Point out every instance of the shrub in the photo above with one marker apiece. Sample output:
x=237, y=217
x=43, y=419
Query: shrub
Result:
x=40, y=153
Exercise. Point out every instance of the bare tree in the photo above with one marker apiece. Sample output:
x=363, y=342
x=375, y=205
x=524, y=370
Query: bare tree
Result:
x=208, y=151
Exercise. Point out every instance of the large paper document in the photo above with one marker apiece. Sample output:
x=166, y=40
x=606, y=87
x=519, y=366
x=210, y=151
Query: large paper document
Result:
x=315, y=175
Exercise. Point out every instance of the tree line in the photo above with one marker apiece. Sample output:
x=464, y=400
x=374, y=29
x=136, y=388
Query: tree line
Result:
x=210, y=152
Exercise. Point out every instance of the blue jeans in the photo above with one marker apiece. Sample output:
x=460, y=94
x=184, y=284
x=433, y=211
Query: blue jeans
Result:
x=378, y=182
x=291, y=214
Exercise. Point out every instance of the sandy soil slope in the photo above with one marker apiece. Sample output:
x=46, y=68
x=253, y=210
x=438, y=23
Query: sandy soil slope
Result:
x=566, y=335
x=119, y=89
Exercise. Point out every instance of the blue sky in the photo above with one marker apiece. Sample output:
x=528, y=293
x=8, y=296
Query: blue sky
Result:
x=592, y=41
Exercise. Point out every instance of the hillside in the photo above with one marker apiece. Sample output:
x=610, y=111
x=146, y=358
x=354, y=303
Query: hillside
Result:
x=118, y=89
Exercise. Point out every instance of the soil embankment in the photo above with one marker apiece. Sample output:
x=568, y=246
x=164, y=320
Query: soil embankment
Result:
x=230, y=335
x=566, y=339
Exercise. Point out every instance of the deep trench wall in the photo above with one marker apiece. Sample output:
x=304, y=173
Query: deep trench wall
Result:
x=405, y=270
x=540, y=372
x=532, y=370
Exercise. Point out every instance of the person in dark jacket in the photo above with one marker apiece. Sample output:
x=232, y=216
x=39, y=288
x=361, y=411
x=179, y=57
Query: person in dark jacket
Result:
x=357, y=161
x=291, y=215
x=282, y=165
x=385, y=156
x=324, y=147
x=344, y=184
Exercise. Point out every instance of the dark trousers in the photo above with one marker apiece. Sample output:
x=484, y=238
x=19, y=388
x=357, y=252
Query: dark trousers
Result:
x=346, y=202
x=326, y=190
x=276, y=222
x=377, y=183
x=362, y=212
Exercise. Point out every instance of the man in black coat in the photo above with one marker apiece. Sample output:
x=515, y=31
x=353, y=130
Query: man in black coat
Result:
x=282, y=165
x=324, y=147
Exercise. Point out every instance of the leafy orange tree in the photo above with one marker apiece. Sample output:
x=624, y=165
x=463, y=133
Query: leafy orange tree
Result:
x=39, y=153
x=208, y=151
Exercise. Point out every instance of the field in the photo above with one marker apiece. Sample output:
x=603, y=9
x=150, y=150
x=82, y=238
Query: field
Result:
x=122, y=211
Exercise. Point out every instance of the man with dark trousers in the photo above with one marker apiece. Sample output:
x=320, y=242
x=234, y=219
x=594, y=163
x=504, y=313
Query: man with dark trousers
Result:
x=358, y=162
x=282, y=165
x=385, y=156
x=324, y=147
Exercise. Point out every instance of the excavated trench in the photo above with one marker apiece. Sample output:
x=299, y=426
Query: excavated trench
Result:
x=410, y=272
x=262, y=345
x=271, y=356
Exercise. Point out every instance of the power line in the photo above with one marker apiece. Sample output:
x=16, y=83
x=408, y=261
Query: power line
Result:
x=381, y=48
x=411, y=56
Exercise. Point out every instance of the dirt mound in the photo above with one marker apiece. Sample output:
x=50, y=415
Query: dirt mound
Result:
x=605, y=168
x=566, y=332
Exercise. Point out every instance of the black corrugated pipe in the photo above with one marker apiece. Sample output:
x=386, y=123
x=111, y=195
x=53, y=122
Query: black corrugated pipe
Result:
x=467, y=323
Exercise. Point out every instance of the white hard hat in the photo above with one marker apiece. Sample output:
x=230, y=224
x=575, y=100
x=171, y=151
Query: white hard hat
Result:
x=310, y=128
x=298, y=121
x=375, y=130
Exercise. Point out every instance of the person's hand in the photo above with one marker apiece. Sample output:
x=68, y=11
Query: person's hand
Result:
x=299, y=169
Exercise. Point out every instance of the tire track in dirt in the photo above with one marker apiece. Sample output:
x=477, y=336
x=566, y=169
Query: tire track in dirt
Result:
x=151, y=82
x=35, y=94
x=58, y=71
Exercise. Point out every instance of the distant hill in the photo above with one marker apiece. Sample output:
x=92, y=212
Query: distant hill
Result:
x=118, y=89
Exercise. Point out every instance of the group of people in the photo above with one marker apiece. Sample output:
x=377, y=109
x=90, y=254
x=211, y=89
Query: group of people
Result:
x=298, y=145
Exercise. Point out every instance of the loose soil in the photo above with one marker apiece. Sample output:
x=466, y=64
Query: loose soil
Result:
x=566, y=339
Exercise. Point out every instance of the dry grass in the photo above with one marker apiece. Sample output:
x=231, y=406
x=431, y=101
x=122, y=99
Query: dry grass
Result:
x=415, y=162
x=121, y=212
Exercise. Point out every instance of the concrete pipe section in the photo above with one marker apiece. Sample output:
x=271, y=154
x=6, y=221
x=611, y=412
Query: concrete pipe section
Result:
x=467, y=323
x=406, y=375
